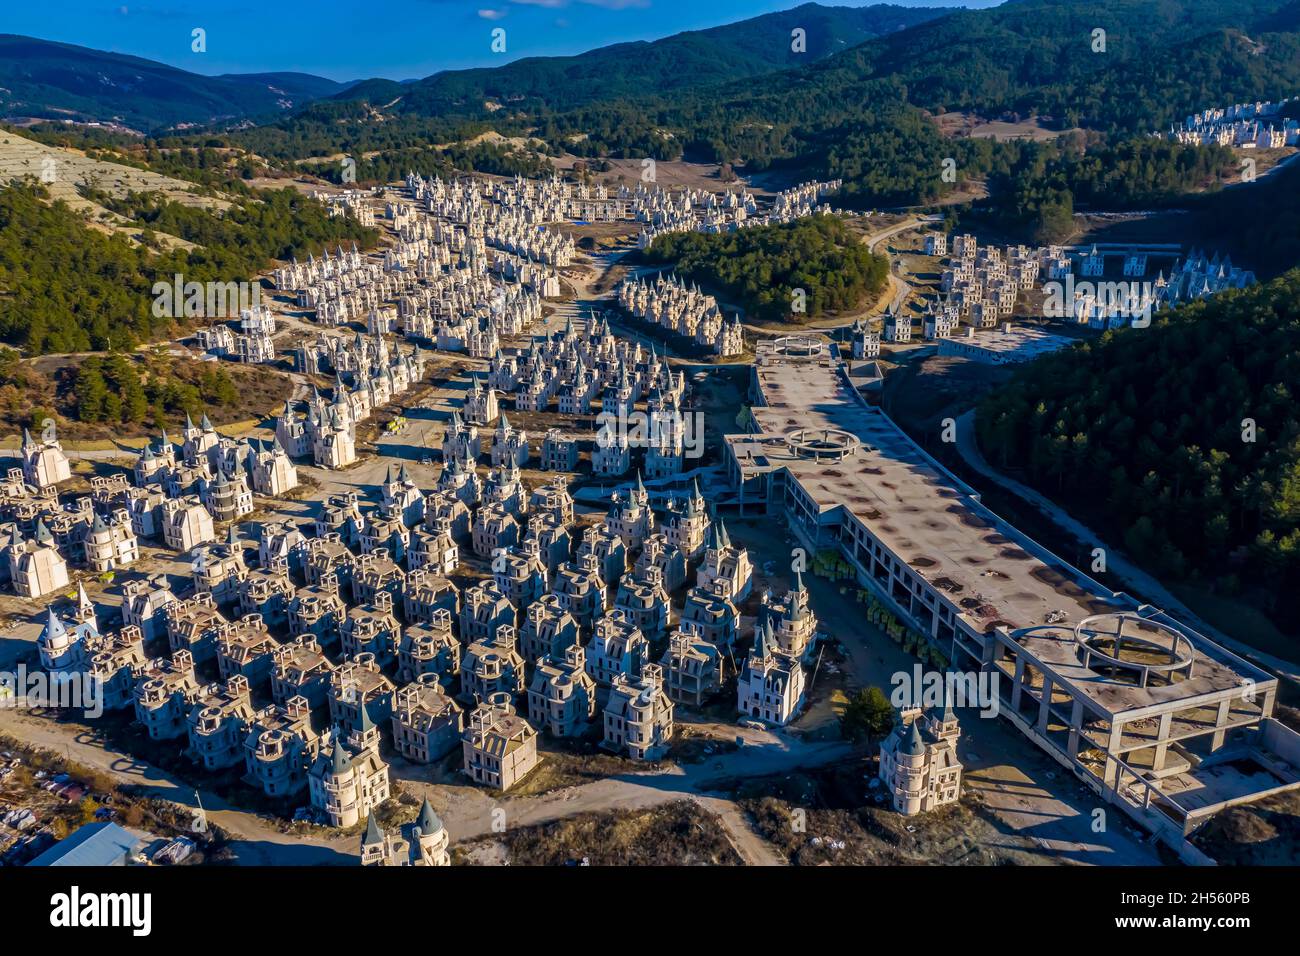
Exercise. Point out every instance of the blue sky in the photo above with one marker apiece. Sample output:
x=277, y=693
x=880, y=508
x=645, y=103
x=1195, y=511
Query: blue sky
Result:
x=354, y=39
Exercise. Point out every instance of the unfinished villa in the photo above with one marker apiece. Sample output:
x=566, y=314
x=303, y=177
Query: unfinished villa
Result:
x=1147, y=711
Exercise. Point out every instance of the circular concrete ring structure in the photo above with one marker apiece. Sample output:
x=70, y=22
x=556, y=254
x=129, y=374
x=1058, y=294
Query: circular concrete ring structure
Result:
x=822, y=444
x=798, y=345
x=1132, y=637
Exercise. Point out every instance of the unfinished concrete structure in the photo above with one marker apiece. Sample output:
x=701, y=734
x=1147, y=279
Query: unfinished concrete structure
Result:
x=1154, y=726
x=500, y=747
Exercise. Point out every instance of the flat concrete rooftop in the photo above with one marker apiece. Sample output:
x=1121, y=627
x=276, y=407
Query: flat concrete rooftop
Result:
x=1024, y=342
x=1056, y=648
x=923, y=514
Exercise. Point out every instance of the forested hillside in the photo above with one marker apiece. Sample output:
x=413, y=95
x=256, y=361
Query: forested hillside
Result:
x=1049, y=182
x=862, y=114
x=1258, y=224
x=1180, y=440
x=689, y=60
x=66, y=287
x=760, y=267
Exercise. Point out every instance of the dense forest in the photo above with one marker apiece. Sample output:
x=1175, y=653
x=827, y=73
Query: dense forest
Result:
x=110, y=389
x=1049, y=182
x=87, y=290
x=497, y=159
x=1180, y=440
x=687, y=60
x=240, y=240
x=759, y=267
x=1258, y=224
x=123, y=394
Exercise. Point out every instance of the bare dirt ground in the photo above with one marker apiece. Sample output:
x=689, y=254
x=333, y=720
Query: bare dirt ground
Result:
x=669, y=174
x=1266, y=833
x=958, y=124
x=833, y=817
x=681, y=833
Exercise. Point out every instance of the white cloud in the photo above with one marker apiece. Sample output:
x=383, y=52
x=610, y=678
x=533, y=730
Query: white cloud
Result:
x=489, y=14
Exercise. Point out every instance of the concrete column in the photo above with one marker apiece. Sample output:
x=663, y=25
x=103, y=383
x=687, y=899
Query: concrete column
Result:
x=1225, y=706
x=1076, y=724
x=1019, y=684
x=1162, y=748
x=1045, y=705
x=1112, y=768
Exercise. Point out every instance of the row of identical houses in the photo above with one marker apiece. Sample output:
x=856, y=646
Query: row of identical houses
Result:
x=686, y=311
x=664, y=211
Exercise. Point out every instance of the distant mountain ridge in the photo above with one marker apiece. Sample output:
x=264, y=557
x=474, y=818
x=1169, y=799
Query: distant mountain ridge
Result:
x=51, y=80
x=42, y=78
x=692, y=59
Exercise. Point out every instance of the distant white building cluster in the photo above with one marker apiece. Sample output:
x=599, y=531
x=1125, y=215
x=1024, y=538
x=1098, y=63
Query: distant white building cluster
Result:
x=694, y=210
x=979, y=288
x=1257, y=125
x=670, y=304
x=580, y=374
x=349, y=202
x=1102, y=303
x=327, y=434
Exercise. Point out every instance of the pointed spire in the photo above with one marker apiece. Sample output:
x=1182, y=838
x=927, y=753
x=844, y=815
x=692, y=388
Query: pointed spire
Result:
x=342, y=763
x=915, y=745
x=373, y=837
x=365, y=724
x=53, y=626
x=429, y=822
